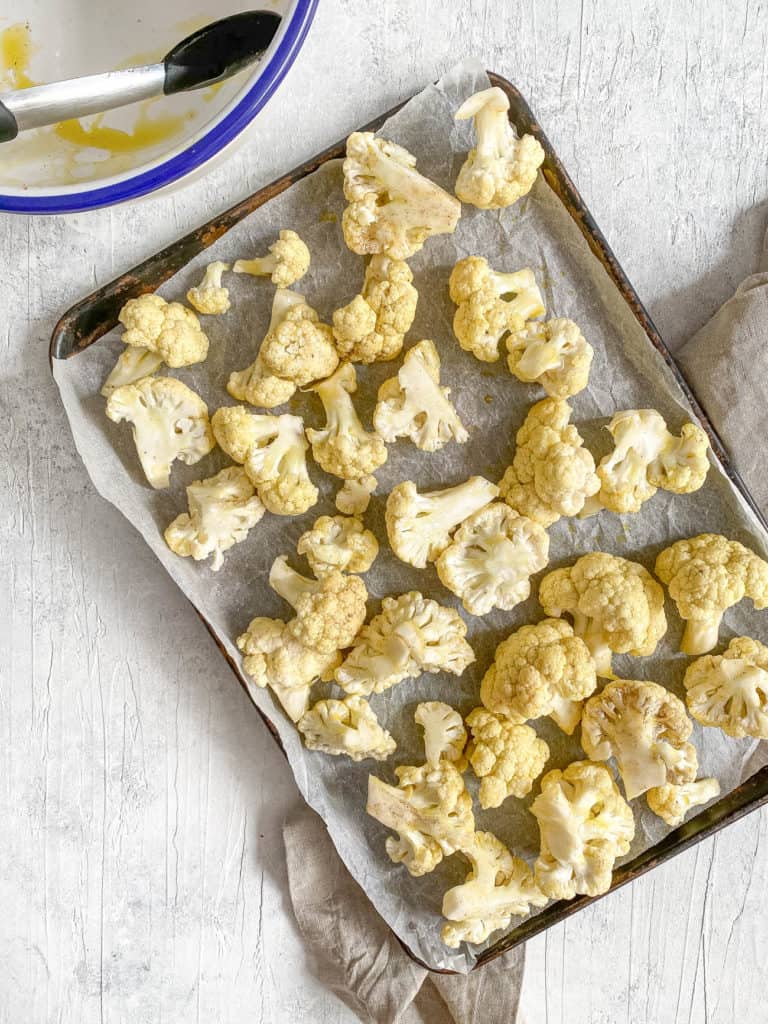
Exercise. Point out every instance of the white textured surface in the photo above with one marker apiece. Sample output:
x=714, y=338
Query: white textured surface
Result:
x=142, y=870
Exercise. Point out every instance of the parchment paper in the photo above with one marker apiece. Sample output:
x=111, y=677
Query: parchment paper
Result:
x=627, y=373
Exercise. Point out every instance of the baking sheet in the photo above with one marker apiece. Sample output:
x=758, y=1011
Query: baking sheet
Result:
x=627, y=372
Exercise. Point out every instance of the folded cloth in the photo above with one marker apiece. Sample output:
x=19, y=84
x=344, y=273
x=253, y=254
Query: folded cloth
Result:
x=360, y=959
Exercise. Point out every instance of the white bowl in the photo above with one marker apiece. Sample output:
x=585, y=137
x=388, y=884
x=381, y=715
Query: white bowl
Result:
x=125, y=153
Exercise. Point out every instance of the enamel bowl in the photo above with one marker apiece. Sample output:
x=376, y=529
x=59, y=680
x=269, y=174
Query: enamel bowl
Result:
x=109, y=158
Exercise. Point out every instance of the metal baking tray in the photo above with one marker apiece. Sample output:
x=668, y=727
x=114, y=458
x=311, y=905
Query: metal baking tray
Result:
x=94, y=316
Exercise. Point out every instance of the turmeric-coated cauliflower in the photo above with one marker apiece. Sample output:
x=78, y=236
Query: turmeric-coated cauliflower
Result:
x=552, y=353
x=344, y=447
x=354, y=496
x=490, y=561
x=347, y=727
x=705, y=576
x=672, y=803
x=167, y=328
x=444, y=734
x=490, y=305
x=372, y=327
x=132, y=364
x=502, y=167
x=541, y=669
x=645, y=728
x=169, y=422
x=287, y=262
x=585, y=824
x=338, y=542
x=222, y=509
x=730, y=690
x=210, y=296
x=497, y=888
x=507, y=758
x=413, y=404
x=410, y=635
x=616, y=605
x=552, y=474
x=419, y=525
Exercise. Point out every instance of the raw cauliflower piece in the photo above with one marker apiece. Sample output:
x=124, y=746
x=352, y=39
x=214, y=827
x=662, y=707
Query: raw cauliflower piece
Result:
x=338, y=542
x=354, y=497
x=372, y=327
x=329, y=611
x=210, y=296
x=730, y=690
x=236, y=431
x=552, y=473
x=347, y=727
x=490, y=304
x=501, y=168
x=419, y=525
x=705, y=576
x=392, y=208
x=287, y=262
x=552, y=353
x=410, y=635
x=276, y=659
x=585, y=824
x=431, y=811
x=444, y=734
x=647, y=457
x=507, y=758
x=492, y=557
x=167, y=328
x=672, y=803
x=344, y=447
x=539, y=670
x=645, y=728
x=222, y=509
x=132, y=364
x=169, y=422
x=497, y=888
x=413, y=404
x=616, y=605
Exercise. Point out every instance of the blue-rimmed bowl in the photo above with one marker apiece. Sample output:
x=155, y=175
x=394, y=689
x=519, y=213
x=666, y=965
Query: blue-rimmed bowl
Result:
x=128, y=153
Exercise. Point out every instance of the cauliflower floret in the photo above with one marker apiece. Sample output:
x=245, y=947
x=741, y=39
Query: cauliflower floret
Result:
x=413, y=404
x=169, y=329
x=354, y=497
x=236, y=431
x=497, y=888
x=552, y=474
x=288, y=261
x=616, y=605
x=552, y=353
x=705, y=576
x=645, y=728
x=222, y=509
x=169, y=422
x=344, y=447
x=501, y=168
x=409, y=636
x=133, y=364
x=431, y=811
x=372, y=327
x=646, y=457
x=444, y=734
x=392, y=208
x=492, y=557
x=347, y=727
x=540, y=670
x=585, y=824
x=490, y=305
x=329, y=611
x=419, y=525
x=338, y=542
x=504, y=756
x=730, y=690
x=276, y=659
x=210, y=296
x=672, y=803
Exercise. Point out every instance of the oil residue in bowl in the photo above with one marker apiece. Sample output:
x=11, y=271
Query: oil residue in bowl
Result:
x=15, y=55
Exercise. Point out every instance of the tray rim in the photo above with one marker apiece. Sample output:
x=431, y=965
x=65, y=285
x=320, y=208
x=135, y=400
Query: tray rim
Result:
x=88, y=320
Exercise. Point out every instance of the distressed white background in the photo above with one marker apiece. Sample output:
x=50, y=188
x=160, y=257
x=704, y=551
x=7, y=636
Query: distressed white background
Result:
x=141, y=861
